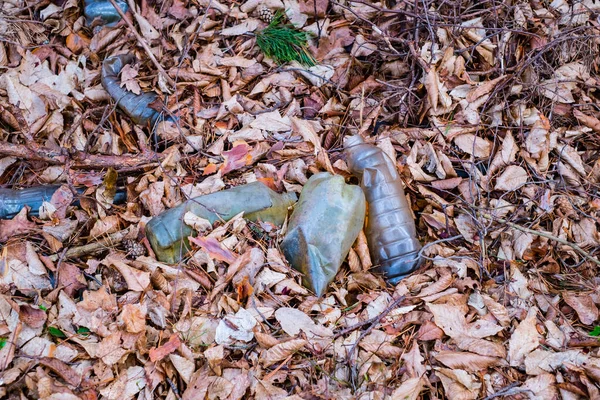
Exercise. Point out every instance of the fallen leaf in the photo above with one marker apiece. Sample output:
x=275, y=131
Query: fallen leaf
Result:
x=524, y=339
x=282, y=351
x=236, y=158
x=158, y=353
x=470, y=362
x=19, y=225
x=214, y=249
x=136, y=280
x=235, y=327
x=128, y=78
x=473, y=145
x=512, y=178
x=584, y=306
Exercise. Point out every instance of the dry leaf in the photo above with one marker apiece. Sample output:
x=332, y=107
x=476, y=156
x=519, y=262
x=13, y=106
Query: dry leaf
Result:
x=524, y=339
x=512, y=178
x=282, y=351
x=584, y=306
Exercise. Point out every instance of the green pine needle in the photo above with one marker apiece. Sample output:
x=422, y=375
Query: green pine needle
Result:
x=284, y=43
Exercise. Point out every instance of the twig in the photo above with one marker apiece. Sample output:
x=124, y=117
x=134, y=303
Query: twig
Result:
x=373, y=321
x=80, y=159
x=141, y=41
x=102, y=244
x=507, y=391
x=545, y=235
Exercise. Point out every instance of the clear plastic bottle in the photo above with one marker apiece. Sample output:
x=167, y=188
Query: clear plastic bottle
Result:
x=324, y=224
x=13, y=201
x=168, y=234
x=391, y=232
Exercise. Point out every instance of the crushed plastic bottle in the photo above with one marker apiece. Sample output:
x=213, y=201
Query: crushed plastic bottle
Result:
x=105, y=10
x=324, y=224
x=13, y=201
x=391, y=232
x=168, y=234
x=136, y=106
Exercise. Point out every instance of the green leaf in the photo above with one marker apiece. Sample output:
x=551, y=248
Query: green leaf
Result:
x=56, y=332
x=83, y=331
x=43, y=307
x=3, y=342
x=595, y=331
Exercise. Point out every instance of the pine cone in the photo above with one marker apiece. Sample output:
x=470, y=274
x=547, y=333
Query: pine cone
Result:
x=264, y=13
x=133, y=248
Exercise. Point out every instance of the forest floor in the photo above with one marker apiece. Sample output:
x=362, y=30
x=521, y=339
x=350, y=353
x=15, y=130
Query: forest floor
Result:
x=490, y=109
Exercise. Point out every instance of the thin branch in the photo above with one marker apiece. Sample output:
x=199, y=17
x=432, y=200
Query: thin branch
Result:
x=143, y=43
x=79, y=159
x=101, y=244
x=545, y=235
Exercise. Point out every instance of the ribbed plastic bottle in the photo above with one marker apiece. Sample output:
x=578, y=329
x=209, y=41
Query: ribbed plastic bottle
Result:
x=390, y=231
x=168, y=234
x=13, y=201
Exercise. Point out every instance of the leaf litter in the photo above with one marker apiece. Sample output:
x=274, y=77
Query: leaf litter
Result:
x=488, y=108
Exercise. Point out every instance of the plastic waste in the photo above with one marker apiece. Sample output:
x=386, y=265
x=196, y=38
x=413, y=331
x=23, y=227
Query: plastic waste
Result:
x=13, y=201
x=136, y=106
x=105, y=10
x=168, y=234
x=324, y=224
x=391, y=232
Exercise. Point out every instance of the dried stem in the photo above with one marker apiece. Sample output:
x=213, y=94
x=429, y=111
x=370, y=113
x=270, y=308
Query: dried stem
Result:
x=545, y=235
x=143, y=43
x=79, y=159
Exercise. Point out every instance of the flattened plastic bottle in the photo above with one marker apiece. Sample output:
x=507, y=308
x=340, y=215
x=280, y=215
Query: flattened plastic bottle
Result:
x=168, y=234
x=136, y=106
x=326, y=221
x=391, y=232
x=104, y=10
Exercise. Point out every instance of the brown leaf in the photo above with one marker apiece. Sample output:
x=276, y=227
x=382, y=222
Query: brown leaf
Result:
x=458, y=384
x=34, y=317
x=429, y=331
x=524, y=339
x=473, y=145
x=236, y=158
x=214, y=249
x=468, y=361
x=512, y=178
x=410, y=389
x=584, y=307
x=71, y=278
x=17, y=226
x=158, y=353
x=281, y=351
x=136, y=280
x=589, y=121
x=7, y=352
x=483, y=89
x=134, y=317
x=62, y=369
x=61, y=199
x=414, y=362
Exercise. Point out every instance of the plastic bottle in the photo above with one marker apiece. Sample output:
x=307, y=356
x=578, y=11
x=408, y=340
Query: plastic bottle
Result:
x=136, y=106
x=13, y=201
x=391, y=232
x=326, y=221
x=105, y=10
x=168, y=234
